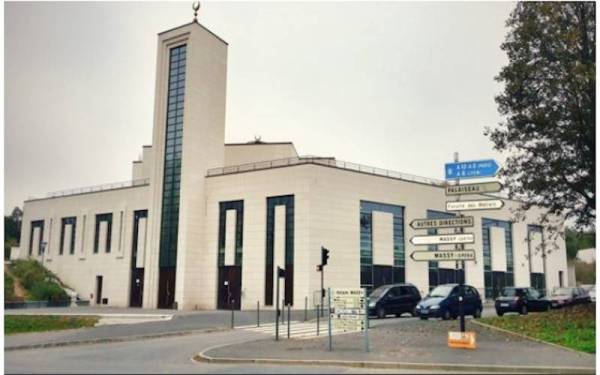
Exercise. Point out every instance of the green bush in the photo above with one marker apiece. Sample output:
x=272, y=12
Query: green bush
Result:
x=39, y=323
x=9, y=288
x=38, y=281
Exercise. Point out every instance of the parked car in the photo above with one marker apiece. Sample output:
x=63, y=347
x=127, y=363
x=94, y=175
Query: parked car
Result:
x=591, y=290
x=520, y=300
x=442, y=302
x=561, y=297
x=393, y=299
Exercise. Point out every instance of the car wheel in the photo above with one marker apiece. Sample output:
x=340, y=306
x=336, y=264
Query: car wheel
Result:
x=398, y=315
x=413, y=312
x=524, y=310
x=381, y=313
x=548, y=307
x=477, y=314
x=423, y=318
x=446, y=315
x=499, y=313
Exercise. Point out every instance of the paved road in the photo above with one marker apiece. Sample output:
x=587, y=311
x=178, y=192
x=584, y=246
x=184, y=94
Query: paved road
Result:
x=164, y=355
x=181, y=322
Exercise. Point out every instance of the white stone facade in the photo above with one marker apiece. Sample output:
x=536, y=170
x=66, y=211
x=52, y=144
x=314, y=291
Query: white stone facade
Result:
x=326, y=211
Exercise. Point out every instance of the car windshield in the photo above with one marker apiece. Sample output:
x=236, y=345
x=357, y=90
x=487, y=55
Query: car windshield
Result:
x=511, y=292
x=441, y=291
x=378, y=292
x=562, y=292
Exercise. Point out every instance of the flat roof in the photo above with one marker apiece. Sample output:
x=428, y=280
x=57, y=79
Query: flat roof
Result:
x=199, y=24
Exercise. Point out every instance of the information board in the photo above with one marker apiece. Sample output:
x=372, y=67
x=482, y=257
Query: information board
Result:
x=348, y=309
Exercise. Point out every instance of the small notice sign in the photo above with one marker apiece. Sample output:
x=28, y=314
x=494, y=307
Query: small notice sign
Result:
x=348, y=309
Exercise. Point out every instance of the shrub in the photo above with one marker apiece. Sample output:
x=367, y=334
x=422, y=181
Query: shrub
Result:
x=40, y=283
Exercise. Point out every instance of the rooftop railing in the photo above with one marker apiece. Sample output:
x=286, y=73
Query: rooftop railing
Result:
x=97, y=188
x=329, y=162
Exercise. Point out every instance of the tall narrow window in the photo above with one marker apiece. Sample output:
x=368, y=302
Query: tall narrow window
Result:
x=440, y=273
x=373, y=275
x=495, y=278
x=171, y=177
x=288, y=244
x=67, y=234
x=36, y=237
x=103, y=232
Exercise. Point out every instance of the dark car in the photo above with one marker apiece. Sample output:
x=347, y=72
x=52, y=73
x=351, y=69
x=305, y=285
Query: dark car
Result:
x=582, y=296
x=561, y=297
x=520, y=300
x=442, y=302
x=393, y=299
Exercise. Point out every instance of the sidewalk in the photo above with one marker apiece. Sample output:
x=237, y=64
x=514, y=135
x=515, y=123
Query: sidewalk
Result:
x=414, y=342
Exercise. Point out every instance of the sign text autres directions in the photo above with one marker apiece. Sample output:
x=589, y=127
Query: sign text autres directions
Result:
x=442, y=255
x=443, y=239
x=453, y=222
x=487, y=204
x=486, y=187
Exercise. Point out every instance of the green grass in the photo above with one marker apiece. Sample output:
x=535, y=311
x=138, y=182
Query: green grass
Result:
x=573, y=327
x=39, y=323
x=9, y=288
x=39, y=283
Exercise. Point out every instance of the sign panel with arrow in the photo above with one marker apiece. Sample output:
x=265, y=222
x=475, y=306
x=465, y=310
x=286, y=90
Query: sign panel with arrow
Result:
x=442, y=255
x=488, y=204
x=453, y=222
x=486, y=187
x=471, y=169
x=443, y=239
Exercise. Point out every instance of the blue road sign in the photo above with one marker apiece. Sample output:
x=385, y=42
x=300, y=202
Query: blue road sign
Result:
x=471, y=169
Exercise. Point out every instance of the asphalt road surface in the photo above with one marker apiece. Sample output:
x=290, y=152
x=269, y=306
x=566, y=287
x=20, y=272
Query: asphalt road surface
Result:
x=162, y=355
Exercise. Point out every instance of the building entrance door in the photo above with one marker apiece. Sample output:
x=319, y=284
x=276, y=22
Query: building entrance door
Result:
x=166, y=288
x=98, y=290
x=230, y=287
x=137, y=287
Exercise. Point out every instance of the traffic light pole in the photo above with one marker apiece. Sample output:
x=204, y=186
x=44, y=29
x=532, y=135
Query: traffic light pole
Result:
x=322, y=290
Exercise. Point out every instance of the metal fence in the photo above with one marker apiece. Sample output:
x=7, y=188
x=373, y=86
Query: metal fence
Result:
x=329, y=162
x=96, y=188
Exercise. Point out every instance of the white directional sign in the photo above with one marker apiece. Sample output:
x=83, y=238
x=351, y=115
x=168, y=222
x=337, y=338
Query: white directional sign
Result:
x=488, y=204
x=448, y=255
x=443, y=239
x=452, y=222
x=348, y=309
x=486, y=187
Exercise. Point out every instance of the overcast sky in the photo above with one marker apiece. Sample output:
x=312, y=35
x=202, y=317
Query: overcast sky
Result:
x=399, y=86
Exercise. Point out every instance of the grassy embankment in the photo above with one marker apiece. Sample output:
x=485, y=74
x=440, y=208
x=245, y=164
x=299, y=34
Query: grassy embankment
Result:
x=573, y=327
x=38, y=283
x=39, y=323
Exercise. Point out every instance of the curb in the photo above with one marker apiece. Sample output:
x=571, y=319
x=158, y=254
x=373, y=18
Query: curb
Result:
x=202, y=357
x=109, y=340
x=520, y=335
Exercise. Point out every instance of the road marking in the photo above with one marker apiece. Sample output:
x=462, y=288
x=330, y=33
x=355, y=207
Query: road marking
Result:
x=298, y=330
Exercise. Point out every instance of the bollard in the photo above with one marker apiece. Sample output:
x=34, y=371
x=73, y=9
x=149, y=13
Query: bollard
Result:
x=288, y=324
x=318, y=308
x=257, y=313
x=305, y=308
x=232, y=303
x=283, y=311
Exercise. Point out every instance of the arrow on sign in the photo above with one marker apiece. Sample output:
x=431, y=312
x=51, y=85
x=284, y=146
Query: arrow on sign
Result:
x=486, y=187
x=471, y=169
x=420, y=256
x=453, y=222
x=443, y=239
x=488, y=204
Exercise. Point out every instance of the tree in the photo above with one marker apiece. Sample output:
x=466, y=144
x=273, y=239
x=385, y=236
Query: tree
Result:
x=548, y=104
x=12, y=230
x=579, y=240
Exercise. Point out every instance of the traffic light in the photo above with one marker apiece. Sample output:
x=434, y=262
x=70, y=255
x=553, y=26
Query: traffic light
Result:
x=324, y=255
x=280, y=272
x=319, y=268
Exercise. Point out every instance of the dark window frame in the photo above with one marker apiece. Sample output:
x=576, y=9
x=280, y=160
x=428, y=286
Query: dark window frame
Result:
x=99, y=219
x=36, y=224
x=72, y=220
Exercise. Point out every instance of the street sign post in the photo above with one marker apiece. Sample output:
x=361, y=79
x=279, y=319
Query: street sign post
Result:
x=454, y=222
x=443, y=239
x=485, y=187
x=348, y=311
x=487, y=204
x=471, y=169
x=443, y=255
